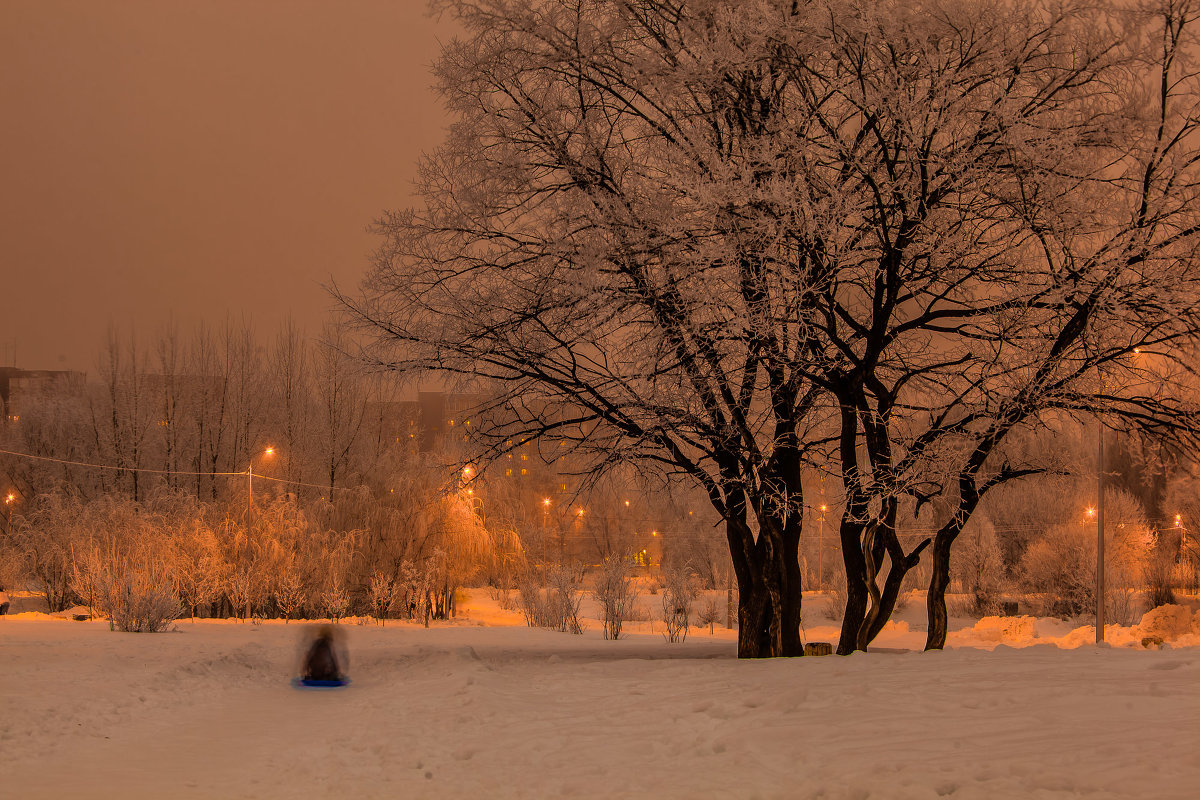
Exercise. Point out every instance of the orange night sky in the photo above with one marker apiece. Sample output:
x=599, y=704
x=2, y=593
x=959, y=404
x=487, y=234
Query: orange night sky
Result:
x=197, y=159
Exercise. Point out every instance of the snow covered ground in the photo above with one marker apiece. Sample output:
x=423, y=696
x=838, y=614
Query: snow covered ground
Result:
x=483, y=707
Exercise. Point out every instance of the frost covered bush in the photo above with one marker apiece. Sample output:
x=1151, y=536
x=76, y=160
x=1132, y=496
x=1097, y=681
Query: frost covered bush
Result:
x=709, y=613
x=679, y=592
x=380, y=592
x=43, y=543
x=836, y=606
x=616, y=592
x=977, y=563
x=556, y=606
x=1060, y=567
x=131, y=587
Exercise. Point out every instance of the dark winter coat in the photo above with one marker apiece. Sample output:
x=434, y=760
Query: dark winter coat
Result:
x=321, y=663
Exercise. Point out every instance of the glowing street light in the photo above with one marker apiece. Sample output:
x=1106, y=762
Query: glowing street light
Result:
x=821, y=547
x=468, y=472
x=267, y=453
x=1091, y=512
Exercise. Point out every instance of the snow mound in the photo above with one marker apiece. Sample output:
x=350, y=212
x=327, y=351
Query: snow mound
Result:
x=1168, y=622
x=1006, y=630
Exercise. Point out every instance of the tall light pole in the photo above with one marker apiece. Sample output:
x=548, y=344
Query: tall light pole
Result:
x=821, y=548
x=267, y=453
x=1100, y=535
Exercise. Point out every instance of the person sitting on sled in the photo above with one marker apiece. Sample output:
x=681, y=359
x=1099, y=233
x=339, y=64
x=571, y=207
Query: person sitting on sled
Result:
x=321, y=663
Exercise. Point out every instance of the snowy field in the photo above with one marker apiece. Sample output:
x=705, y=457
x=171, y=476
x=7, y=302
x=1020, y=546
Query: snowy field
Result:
x=486, y=708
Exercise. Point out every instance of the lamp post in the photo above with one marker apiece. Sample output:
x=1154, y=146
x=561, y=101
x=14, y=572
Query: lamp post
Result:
x=1100, y=536
x=9, y=499
x=821, y=548
x=267, y=453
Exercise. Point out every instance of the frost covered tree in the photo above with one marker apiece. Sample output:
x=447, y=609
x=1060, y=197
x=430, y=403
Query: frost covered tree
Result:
x=731, y=240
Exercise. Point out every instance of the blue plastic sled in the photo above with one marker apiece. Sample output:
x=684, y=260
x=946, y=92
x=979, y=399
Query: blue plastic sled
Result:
x=309, y=683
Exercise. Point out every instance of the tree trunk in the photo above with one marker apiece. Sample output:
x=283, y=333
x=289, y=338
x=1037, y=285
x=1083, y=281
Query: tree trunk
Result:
x=856, y=588
x=769, y=596
x=936, y=599
x=891, y=591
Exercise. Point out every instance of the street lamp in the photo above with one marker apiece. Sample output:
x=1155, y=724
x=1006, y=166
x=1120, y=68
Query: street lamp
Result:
x=821, y=547
x=267, y=453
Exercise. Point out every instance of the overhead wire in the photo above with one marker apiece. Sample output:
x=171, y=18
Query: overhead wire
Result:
x=148, y=471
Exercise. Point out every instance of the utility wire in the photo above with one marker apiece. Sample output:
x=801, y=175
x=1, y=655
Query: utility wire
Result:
x=110, y=467
x=148, y=471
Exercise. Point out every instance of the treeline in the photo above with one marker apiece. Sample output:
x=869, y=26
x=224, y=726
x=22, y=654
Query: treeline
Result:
x=179, y=411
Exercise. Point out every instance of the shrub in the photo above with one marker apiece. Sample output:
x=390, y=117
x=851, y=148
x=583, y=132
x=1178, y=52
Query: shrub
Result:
x=615, y=591
x=556, y=606
x=678, y=594
x=380, y=593
x=709, y=614
x=133, y=589
x=1061, y=565
x=976, y=562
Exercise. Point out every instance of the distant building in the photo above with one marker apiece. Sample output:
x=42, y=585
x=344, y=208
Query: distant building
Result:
x=22, y=389
x=441, y=415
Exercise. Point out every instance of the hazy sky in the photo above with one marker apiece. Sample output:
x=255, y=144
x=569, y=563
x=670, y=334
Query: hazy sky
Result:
x=198, y=158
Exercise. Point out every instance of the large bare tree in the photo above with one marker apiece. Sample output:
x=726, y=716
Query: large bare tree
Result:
x=730, y=240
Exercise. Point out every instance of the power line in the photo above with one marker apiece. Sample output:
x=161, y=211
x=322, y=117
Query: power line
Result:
x=143, y=470
x=147, y=471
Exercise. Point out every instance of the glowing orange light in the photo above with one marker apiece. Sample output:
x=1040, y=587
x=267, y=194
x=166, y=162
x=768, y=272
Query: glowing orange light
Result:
x=546, y=502
x=1091, y=512
x=270, y=451
x=1178, y=518
x=10, y=497
x=579, y=512
x=654, y=533
x=467, y=472
x=627, y=504
x=824, y=508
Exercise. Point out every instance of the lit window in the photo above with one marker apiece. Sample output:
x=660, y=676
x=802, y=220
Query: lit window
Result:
x=508, y=473
x=510, y=456
x=450, y=423
x=524, y=457
x=523, y=472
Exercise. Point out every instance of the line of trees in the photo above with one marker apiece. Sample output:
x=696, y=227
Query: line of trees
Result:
x=186, y=412
x=144, y=563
